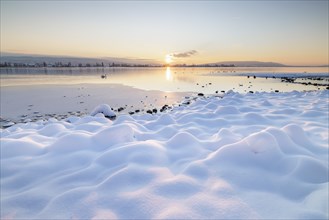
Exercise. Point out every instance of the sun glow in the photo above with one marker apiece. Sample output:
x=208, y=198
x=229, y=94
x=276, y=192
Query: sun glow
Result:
x=169, y=76
x=168, y=59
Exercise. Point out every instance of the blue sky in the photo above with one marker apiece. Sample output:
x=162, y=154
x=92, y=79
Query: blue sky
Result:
x=291, y=32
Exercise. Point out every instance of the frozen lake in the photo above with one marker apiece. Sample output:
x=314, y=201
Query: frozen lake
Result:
x=36, y=93
x=169, y=79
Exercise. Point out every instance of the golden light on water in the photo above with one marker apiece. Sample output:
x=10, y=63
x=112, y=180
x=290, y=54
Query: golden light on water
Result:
x=169, y=76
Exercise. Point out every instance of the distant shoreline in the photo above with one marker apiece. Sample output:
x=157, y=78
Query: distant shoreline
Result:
x=31, y=60
x=154, y=66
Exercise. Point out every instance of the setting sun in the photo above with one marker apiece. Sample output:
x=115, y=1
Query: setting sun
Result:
x=168, y=59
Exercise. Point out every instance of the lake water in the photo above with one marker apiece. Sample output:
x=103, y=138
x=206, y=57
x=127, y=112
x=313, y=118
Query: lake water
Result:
x=42, y=93
x=170, y=79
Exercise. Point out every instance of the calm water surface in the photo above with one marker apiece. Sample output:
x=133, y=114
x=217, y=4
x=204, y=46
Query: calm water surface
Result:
x=170, y=79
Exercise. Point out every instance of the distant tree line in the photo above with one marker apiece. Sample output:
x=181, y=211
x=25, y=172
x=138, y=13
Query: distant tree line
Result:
x=203, y=65
x=69, y=64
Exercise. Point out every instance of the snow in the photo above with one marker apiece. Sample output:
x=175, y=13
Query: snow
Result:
x=104, y=109
x=252, y=156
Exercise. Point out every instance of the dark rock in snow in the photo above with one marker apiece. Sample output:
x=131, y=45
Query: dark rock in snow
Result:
x=165, y=107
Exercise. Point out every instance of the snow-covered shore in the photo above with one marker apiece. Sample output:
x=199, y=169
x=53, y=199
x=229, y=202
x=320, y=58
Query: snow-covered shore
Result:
x=261, y=155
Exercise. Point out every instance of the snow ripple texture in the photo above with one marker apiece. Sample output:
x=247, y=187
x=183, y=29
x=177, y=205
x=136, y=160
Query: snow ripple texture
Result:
x=261, y=155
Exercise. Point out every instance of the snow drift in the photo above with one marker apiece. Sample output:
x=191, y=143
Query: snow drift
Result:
x=261, y=155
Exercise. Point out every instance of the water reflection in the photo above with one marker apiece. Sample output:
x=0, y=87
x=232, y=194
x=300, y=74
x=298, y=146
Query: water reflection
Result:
x=205, y=80
x=169, y=76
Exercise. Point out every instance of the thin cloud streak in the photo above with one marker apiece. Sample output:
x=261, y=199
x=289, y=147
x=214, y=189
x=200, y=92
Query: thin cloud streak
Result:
x=185, y=54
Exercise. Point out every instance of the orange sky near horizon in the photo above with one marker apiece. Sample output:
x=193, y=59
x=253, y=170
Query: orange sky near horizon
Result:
x=292, y=32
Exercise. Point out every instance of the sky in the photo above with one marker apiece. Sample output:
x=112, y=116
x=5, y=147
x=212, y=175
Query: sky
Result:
x=290, y=32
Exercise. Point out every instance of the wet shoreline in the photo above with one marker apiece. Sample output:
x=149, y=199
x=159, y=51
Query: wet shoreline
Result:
x=147, y=102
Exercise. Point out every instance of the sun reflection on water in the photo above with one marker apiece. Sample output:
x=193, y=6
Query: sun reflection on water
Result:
x=169, y=76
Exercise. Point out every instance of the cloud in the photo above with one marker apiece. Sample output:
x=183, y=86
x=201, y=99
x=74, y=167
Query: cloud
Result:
x=185, y=54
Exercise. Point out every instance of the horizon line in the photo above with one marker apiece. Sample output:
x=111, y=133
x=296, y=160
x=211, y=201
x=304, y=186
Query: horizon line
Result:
x=17, y=54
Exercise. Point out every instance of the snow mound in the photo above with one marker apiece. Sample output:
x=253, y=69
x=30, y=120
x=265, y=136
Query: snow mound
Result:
x=104, y=109
x=233, y=157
